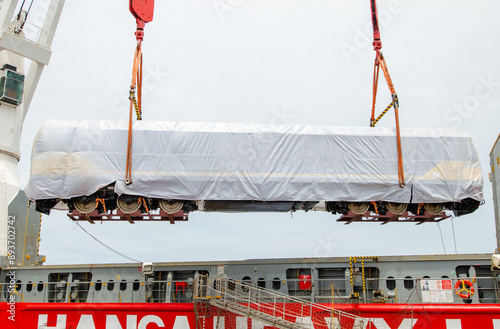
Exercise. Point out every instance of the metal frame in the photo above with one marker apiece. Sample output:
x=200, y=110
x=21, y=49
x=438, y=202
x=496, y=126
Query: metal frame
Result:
x=118, y=215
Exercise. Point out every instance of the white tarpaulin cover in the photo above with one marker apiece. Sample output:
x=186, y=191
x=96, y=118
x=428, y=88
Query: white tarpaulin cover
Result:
x=230, y=161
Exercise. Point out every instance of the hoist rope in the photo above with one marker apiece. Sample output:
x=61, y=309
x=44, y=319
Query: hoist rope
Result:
x=27, y=12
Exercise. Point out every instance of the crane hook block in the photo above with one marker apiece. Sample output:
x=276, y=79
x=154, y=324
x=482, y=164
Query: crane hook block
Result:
x=142, y=9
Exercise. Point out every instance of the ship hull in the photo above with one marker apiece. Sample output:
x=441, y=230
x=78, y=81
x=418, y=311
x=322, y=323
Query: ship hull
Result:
x=182, y=316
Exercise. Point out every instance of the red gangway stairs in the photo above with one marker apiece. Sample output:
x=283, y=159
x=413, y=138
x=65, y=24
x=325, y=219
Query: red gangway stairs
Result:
x=224, y=303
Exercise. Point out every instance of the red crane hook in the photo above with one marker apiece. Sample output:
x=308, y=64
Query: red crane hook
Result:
x=143, y=11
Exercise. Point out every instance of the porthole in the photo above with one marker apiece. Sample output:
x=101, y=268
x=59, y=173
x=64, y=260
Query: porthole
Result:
x=98, y=285
x=408, y=283
x=123, y=285
x=29, y=286
x=390, y=283
x=261, y=283
x=276, y=284
x=246, y=281
x=136, y=285
x=111, y=285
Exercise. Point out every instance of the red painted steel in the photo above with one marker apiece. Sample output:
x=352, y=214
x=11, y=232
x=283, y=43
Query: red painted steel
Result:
x=142, y=9
x=305, y=282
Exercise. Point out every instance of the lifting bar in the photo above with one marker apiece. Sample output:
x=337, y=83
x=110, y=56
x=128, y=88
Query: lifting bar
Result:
x=380, y=63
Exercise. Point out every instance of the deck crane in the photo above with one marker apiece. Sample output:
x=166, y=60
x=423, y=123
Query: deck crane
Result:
x=380, y=63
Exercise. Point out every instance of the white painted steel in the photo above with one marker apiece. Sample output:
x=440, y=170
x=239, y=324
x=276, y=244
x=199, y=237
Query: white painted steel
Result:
x=14, y=50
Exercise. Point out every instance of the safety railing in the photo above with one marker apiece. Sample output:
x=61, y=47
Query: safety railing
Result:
x=399, y=290
x=35, y=34
x=268, y=306
x=385, y=290
x=124, y=291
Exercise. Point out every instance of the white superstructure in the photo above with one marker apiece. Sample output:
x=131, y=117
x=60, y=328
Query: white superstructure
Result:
x=495, y=180
x=16, y=50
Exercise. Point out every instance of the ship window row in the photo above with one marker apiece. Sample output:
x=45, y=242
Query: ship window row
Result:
x=262, y=283
x=408, y=282
x=111, y=285
x=391, y=283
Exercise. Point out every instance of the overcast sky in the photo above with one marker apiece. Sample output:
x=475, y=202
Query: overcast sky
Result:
x=273, y=62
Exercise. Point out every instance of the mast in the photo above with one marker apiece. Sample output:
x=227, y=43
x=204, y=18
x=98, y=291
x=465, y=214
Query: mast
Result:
x=15, y=48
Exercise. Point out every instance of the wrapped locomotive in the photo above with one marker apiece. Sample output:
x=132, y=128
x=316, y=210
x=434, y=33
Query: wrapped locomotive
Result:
x=244, y=167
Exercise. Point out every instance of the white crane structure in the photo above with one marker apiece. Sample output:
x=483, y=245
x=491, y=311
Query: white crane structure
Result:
x=18, y=47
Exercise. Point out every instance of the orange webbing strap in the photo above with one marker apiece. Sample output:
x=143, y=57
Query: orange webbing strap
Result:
x=376, y=70
x=135, y=103
x=401, y=174
x=380, y=63
x=386, y=73
x=101, y=201
x=136, y=84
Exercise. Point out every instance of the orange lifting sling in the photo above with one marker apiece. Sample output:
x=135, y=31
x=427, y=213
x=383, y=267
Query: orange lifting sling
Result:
x=143, y=12
x=380, y=63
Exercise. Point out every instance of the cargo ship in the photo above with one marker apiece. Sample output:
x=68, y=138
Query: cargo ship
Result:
x=411, y=291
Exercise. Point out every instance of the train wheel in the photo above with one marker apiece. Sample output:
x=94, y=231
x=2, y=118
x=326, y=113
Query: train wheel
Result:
x=85, y=204
x=358, y=207
x=396, y=208
x=434, y=208
x=128, y=203
x=171, y=206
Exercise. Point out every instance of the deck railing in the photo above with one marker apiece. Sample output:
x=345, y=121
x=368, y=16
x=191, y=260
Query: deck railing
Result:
x=381, y=290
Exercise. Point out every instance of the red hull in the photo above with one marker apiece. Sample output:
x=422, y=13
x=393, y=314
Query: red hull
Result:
x=181, y=316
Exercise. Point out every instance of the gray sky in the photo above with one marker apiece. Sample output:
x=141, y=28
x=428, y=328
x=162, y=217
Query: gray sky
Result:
x=273, y=62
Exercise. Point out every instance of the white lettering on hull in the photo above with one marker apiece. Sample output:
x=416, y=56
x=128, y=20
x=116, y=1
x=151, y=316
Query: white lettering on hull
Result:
x=86, y=322
x=380, y=323
x=219, y=322
x=242, y=322
x=306, y=320
x=453, y=324
x=336, y=323
x=113, y=323
x=151, y=319
x=256, y=324
x=60, y=323
x=181, y=322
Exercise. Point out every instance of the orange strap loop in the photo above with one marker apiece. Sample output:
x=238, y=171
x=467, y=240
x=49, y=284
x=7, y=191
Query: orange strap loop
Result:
x=135, y=103
x=143, y=201
x=380, y=63
x=101, y=201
